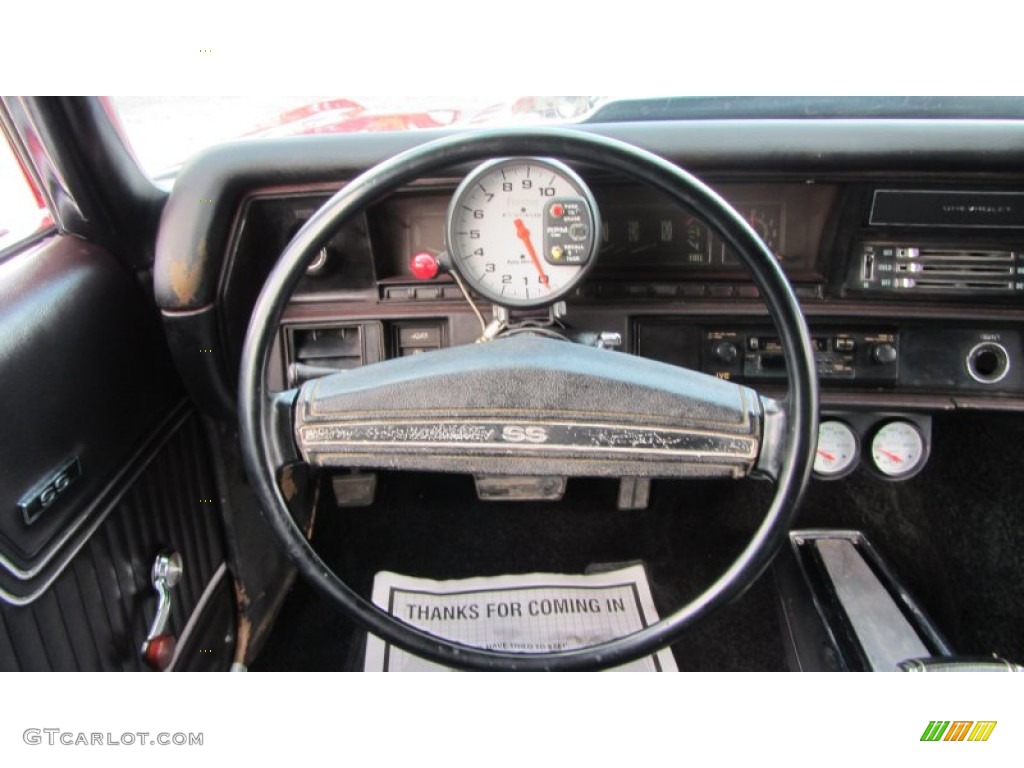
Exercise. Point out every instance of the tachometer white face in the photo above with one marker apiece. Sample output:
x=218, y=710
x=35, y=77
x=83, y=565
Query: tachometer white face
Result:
x=522, y=231
x=837, y=449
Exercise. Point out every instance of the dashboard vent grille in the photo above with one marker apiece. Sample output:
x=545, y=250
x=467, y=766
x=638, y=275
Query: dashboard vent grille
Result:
x=320, y=351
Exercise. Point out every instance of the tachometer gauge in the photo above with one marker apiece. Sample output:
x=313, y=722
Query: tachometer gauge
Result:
x=522, y=231
x=838, y=449
x=898, y=449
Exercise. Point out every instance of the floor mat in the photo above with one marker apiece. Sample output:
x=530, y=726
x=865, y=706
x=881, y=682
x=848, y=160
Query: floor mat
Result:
x=523, y=613
x=433, y=526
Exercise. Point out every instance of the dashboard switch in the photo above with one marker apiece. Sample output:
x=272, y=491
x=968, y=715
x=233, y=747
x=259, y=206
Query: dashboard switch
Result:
x=424, y=265
x=401, y=292
x=420, y=336
x=416, y=338
x=429, y=292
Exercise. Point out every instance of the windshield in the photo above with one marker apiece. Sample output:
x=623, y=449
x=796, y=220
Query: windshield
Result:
x=164, y=131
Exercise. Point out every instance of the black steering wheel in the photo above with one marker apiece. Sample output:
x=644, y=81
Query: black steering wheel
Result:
x=667, y=421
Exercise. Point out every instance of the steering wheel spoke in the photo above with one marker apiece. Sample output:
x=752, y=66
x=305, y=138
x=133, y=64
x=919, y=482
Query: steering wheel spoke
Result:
x=279, y=428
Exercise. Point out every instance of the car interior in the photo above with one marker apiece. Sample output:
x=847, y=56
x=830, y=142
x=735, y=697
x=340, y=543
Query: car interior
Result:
x=769, y=350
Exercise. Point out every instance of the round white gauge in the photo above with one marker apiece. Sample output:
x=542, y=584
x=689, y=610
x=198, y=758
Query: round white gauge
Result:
x=838, y=449
x=522, y=231
x=898, y=449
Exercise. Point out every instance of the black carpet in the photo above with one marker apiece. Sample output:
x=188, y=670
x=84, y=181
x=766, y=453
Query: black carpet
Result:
x=954, y=534
x=434, y=526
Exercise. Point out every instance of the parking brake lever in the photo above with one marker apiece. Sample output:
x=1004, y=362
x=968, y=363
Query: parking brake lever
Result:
x=158, y=649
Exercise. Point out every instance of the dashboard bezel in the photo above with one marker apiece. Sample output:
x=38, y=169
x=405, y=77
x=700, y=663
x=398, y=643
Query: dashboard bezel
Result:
x=195, y=242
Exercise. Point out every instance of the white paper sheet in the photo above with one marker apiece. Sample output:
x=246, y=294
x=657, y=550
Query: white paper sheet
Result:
x=526, y=613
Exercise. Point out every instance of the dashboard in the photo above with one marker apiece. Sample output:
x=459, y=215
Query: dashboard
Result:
x=903, y=244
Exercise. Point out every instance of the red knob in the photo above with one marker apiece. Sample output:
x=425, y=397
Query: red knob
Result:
x=424, y=265
x=159, y=651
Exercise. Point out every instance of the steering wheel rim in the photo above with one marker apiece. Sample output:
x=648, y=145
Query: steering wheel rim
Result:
x=255, y=402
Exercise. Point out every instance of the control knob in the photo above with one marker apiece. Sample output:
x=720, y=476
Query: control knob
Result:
x=884, y=354
x=726, y=351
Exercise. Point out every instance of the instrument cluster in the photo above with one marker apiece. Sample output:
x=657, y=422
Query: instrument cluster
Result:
x=624, y=232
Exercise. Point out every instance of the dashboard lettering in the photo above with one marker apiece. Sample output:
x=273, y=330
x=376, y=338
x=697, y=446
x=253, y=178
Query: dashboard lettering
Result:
x=515, y=434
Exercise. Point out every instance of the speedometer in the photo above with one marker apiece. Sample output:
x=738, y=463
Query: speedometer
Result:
x=522, y=231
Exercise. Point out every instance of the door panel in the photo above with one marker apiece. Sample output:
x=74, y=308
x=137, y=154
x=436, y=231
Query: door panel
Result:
x=96, y=612
x=85, y=377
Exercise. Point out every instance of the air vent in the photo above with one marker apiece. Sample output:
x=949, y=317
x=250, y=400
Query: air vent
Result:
x=928, y=269
x=323, y=350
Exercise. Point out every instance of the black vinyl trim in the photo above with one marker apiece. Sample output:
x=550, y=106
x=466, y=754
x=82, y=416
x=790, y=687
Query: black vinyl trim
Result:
x=48, y=566
x=94, y=615
x=114, y=203
x=801, y=108
x=194, y=235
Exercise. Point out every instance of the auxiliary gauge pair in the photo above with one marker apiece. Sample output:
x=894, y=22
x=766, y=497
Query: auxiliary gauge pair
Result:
x=898, y=449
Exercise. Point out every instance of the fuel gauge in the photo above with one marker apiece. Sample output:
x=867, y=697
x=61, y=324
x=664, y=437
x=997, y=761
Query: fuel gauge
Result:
x=696, y=242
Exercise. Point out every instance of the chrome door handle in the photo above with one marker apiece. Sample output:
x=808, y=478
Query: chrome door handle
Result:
x=159, y=646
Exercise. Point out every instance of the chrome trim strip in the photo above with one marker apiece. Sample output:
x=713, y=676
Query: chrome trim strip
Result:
x=978, y=377
x=539, y=451
x=485, y=435
x=197, y=612
x=883, y=632
x=960, y=664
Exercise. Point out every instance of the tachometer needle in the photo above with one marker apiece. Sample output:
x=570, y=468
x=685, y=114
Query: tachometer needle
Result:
x=524, y=234
x=826, y=456
x=892, y=456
